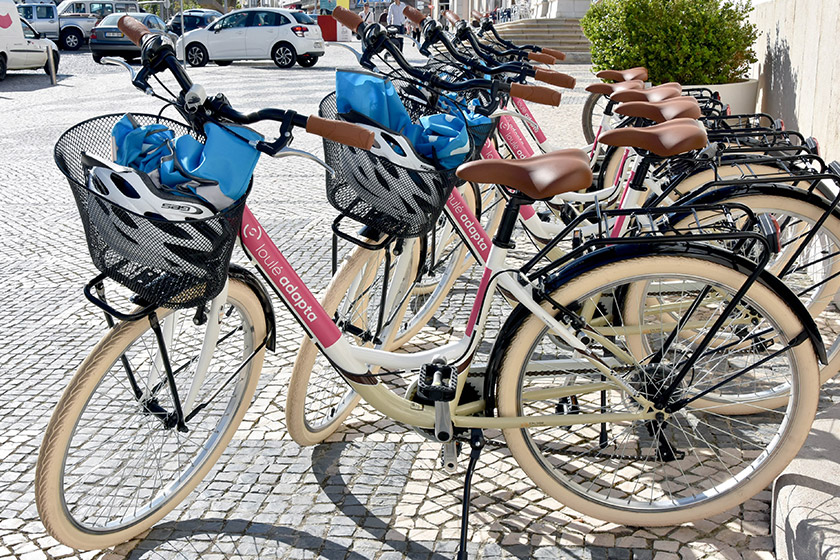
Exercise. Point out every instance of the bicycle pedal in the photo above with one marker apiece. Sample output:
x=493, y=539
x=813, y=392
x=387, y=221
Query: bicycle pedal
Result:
x=449, y=456
x=437, y=385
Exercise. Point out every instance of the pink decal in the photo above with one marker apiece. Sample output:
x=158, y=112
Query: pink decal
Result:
x=514, y=138
x=621, y=165
x=525, y=111
x=488, y=151
x=595, y=143
x=468, y=224
x=288, y=284
x=5, y=21
x=479, y=297
x=619, y=223
x=527, y=211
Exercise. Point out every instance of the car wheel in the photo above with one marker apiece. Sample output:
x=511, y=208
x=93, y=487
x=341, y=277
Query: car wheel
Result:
x=56, y=58
x=223, y=62
x=283, y=55
x=307, y=60
x=196, y=54
x=71, y=40
x=2, y=67
x=97, y=58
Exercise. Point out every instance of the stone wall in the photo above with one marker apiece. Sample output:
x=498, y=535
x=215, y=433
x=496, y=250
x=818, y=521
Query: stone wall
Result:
x=799, y=67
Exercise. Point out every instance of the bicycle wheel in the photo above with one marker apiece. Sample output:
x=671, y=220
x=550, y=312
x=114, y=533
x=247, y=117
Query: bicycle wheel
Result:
x=815, y=274
x=683, y=465
x=109, y=467
x=590, y=119
x=318, y=399
x=447, y=259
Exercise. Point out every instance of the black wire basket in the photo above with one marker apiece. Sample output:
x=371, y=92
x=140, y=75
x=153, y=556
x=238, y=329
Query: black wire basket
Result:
x=370, y=189
x=176, y=264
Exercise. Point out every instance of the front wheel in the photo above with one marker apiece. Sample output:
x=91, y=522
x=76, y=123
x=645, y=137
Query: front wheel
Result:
x=71, y=40
x=196, y=55
x=319, y=400
x=614, y=455
x=2, y=67
x=110, y=466
x=284, y=55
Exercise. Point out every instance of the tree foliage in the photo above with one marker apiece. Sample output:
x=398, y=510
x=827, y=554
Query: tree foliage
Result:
x=687, y=41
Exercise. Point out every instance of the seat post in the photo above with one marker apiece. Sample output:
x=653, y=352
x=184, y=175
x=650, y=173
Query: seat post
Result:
x=504, y=233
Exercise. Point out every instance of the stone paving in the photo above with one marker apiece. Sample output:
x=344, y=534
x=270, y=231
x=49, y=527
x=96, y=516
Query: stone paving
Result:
x=373, y=490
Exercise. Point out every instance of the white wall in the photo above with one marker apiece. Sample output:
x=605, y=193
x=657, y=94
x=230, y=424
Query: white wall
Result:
x=799, y=67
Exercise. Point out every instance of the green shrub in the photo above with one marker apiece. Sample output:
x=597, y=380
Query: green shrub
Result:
x=687, y=41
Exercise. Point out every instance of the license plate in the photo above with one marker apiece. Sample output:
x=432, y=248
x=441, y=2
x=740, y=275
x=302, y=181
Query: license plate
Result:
x=114, y=34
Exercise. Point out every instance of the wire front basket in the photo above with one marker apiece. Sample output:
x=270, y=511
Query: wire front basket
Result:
x=177, y=264
x=370, y=189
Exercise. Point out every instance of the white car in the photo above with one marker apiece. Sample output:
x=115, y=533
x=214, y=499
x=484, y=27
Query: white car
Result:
x=21, y=47
x=284, y=36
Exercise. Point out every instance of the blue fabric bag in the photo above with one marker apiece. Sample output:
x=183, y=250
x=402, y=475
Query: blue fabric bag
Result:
x=442, y=137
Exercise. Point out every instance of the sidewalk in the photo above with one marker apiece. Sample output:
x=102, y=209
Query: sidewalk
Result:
x=373, y=491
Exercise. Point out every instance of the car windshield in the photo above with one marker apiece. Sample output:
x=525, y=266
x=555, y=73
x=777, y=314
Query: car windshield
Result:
x=113, y=19
x=303, y=18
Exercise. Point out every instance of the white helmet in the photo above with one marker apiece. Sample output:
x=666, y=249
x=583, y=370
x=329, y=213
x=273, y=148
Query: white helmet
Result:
x=137, y=192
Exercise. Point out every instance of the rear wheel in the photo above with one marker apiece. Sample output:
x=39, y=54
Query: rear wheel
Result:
x=622, y=456
x=223, y=62
x=284, y=55
x=2, y=67
x=97, y=58
x=196, y=55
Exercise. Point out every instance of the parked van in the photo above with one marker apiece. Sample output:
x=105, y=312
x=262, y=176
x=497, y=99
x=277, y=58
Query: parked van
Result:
x=21, y=47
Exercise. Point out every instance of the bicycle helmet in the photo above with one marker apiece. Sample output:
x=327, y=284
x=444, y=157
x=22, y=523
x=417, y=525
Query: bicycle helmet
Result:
x=137, y=192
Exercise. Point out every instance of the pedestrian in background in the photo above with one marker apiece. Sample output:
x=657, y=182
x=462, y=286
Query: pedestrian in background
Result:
x=396, y=17
x=367, y=14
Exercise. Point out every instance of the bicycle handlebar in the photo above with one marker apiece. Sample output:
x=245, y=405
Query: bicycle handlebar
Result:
x=348, y=19
x=540, y=57
x=452, y=17
x=158, y=54
x=414, y=15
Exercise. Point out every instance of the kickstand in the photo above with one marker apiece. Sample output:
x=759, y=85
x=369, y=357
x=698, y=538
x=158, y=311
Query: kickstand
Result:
x=476, y=445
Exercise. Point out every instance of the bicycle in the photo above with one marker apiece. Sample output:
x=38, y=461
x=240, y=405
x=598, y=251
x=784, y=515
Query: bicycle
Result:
x=610, y=414
x=318, y=404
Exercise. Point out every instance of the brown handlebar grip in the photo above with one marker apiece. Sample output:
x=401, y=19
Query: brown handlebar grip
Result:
x=133, y=29
x=347, y=18
x=477, y=15
x=414, y=14
x=554, y=78
x=559, y=55
x=540, y=57
x=452, y=17
x=537, y=94
x=342, y=132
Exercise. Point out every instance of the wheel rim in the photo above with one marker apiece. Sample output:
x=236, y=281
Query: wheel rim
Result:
x=283, y=56
x=195, y=56
x=72, y=40
x=616, y=464
x=122, y=465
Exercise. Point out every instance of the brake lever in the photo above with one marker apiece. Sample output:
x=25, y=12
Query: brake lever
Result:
x=120, y=62
x=356, y=53
x=291, y=152
x=514, y=114
x=410, y=38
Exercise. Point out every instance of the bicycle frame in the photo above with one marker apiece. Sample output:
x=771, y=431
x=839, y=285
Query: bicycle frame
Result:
x=352, y=361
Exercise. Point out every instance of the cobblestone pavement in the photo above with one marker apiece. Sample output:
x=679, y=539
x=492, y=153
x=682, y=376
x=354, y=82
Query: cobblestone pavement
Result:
x=373, y=491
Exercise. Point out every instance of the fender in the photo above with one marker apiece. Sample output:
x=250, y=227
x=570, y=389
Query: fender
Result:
x=250, y=279
x=715, y=195
x=616, y=253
